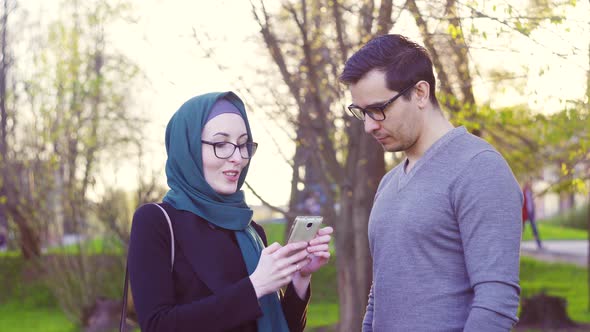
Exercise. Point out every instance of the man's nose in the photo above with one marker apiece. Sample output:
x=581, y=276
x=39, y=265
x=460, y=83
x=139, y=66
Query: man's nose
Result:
x=371, y=125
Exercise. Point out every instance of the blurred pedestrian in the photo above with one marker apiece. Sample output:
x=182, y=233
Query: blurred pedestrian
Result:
x=528, y=211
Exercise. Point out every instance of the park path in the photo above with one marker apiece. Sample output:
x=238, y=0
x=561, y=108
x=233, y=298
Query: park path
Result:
x=566, y=251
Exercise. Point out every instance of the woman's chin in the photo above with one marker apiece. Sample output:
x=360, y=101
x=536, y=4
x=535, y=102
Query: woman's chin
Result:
x=226, y=190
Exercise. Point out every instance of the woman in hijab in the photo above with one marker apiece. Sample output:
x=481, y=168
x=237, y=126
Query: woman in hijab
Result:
x=221, y=278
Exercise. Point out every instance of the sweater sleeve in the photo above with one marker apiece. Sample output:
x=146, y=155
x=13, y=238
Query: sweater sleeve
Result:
x=153, y=287
x=488, y=204
x=368, y=319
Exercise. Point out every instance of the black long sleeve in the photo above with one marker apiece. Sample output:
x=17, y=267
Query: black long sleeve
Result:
x=153, y=285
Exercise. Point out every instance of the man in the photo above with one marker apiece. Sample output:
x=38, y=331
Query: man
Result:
x=444, y=230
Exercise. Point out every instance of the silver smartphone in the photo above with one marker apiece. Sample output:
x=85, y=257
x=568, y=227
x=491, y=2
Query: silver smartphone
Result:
x=305, y=228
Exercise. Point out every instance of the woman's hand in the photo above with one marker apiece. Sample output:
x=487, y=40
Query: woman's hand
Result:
x=276, y=267
x=318, y=255
x=319, y=251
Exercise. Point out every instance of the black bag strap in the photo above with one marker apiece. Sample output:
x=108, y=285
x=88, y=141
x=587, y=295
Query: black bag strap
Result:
x=123, y=321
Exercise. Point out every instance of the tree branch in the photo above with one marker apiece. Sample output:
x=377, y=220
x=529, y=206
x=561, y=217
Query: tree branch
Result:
x=266, y=203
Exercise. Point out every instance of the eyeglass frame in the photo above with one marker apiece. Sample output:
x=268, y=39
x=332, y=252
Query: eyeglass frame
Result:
x=381, y=107
x=236, y=146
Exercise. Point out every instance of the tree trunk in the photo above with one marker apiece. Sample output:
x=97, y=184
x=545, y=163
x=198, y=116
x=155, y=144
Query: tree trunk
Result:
x=29, y=239
x=546, y=312
x=352, y=246
x=3, y=122
x=588, y=221
x=588, y=169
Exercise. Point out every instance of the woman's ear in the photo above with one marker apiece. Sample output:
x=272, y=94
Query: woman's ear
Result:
x=422, y=93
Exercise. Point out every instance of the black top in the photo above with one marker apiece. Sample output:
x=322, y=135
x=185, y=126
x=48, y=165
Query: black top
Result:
x=208, y=288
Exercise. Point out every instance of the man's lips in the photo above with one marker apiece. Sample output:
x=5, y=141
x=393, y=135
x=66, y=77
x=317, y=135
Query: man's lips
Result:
x=380, y=139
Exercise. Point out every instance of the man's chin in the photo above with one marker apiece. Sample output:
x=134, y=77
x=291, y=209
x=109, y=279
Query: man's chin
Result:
x=391, y=147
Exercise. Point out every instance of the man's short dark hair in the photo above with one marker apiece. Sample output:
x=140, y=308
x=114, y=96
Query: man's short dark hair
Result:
x=403, y=61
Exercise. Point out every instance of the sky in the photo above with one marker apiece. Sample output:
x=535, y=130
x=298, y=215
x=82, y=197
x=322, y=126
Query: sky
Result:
x=161, y=41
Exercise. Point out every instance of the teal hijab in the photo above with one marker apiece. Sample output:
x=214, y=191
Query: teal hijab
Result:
x=189, y=191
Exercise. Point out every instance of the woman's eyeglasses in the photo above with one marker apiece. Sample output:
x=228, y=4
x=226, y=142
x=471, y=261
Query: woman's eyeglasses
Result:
x=224, y=150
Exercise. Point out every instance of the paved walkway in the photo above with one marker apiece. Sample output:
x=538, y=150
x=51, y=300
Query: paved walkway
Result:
x=572, y=251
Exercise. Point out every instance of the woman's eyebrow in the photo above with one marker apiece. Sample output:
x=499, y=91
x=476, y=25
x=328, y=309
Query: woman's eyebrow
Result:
x=227, y=135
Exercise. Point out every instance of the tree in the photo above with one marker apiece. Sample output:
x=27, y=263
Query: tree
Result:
x=309, y=42
x=19, y=185
x=73, y=114
x=84, y=86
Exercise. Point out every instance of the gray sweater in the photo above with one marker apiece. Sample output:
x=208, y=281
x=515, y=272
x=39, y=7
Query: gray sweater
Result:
x=445, y=240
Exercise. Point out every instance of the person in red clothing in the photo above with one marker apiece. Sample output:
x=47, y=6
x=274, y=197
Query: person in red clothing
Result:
x=528, y=211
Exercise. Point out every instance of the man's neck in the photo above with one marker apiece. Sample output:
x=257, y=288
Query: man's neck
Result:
x=435, y=126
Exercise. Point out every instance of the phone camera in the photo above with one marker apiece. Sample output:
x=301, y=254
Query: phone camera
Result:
x=309, y=225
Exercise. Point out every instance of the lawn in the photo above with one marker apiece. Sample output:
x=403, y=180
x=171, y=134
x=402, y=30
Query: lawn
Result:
x=565, y=280
x=323, y=309
x=19, y=307
x=548, y=231
x=27, y=306
x=94, y=246
x=30, y=306
x=16, y=316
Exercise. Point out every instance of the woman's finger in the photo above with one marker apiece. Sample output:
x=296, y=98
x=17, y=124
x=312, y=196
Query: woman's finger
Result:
x=289, y=248
x=320, y=240
x=326, y=230
x=272, y=248
x=321, y=247
x=323, y=254
x=295, y=258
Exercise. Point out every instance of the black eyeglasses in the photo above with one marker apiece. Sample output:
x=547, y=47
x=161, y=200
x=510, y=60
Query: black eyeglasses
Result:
x=224, y=150
x=376, y=113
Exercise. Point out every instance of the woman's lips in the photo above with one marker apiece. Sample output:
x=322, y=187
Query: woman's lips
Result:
x=232, y=175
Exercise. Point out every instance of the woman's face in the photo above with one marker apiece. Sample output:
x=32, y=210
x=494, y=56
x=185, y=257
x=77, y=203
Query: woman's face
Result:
x=223, y=174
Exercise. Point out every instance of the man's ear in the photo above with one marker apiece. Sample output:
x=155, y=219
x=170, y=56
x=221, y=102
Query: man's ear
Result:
x=422, y=93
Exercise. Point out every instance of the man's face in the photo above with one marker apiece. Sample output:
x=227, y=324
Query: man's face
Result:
x=402, y=125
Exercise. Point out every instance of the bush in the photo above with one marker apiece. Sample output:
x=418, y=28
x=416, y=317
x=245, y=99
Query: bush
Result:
x=575, y=218
x=78, y=280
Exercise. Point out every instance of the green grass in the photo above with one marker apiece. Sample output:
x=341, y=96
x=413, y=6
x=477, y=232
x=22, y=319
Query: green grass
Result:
x=27, y=305
x=556, y=279
x=15, y=316
x=9, y=253
x=565, y=280
x=549, y=231
x=274, y=232
x=323, y=308
x=574, y=218
x=94, y=246
x=30, y=306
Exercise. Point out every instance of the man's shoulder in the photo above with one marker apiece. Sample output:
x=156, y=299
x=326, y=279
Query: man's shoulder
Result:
x=467, y=146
